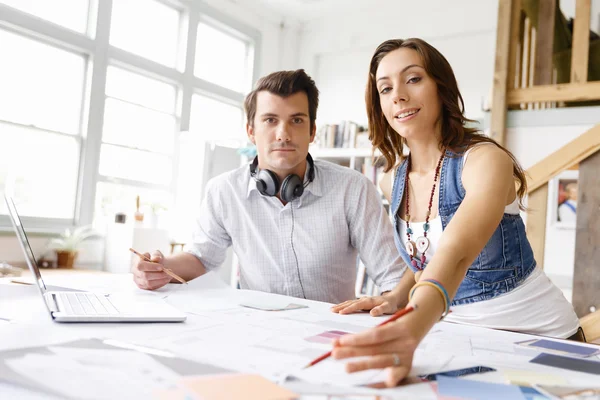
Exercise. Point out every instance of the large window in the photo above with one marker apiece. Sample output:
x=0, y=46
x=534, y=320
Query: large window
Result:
x=222, y=58
x=40, y=123
x=91, y=109
x=147, y=28
x=76, y=18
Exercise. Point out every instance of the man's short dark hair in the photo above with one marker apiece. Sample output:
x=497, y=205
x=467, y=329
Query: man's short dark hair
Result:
x=284, y=84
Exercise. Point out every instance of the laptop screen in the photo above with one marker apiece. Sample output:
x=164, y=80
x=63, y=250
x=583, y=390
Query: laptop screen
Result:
x=24, y=242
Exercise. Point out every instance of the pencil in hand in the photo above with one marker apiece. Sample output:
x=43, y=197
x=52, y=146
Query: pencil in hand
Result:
x=166, y=270
x=394, y=317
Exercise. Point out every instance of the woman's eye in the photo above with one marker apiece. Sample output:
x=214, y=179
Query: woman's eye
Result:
x=414, y=79
x=384, y=90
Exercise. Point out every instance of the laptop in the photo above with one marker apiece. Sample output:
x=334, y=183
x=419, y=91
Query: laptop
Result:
x=79, y=306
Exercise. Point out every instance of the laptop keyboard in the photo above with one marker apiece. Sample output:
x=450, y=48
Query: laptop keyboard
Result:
x=87, y=304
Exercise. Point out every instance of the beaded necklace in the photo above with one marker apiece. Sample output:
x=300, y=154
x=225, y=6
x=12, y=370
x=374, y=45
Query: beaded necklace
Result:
x=422, y=242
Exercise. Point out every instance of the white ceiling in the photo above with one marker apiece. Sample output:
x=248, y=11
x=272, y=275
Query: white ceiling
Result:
x=307, y=10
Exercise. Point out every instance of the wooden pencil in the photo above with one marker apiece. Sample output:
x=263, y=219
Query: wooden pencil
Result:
x=166, y=270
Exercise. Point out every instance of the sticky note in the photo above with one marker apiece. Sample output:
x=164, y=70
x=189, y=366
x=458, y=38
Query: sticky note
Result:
x=235, y=386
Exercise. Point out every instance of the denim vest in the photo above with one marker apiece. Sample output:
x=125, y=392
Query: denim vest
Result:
x=505, y=261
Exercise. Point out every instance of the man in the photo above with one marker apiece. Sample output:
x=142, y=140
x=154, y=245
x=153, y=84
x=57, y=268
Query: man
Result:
x=567, y=211
x=296, y=225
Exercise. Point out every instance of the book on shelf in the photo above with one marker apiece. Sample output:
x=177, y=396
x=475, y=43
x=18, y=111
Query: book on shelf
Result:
x=344, y=135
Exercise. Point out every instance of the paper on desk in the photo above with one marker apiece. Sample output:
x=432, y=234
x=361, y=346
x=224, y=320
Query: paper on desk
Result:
x=334, y=372
x=10, y=391
x=95, y=374
x=268, y=306
x=208, y=281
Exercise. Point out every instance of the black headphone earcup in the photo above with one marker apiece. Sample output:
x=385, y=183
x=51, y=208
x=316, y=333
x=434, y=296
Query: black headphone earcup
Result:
x=267, y=183
x=291, y=188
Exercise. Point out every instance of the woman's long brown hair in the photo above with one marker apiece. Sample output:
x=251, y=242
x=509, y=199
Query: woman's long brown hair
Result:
x=456, y=137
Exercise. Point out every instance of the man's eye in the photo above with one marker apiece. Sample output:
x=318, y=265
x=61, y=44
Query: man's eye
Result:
x=270, y=120
x=298, y=120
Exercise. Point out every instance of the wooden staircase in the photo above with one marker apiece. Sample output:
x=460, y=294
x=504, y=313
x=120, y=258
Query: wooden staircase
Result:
x=533, y=46
x=585, y=152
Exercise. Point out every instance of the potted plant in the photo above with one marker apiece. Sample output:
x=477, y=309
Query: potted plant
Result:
x=67, y=244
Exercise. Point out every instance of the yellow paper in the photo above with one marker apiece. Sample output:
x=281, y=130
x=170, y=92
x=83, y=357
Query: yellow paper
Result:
x=235, y=386
x=528, y=378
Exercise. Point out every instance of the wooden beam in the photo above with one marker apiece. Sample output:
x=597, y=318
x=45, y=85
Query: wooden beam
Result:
x=498, y=118
x=544, y=42
x=570, y=154
x=586, y=279
x=581, y=42
x=559, y=92
x=537, y=203
x=513, y=44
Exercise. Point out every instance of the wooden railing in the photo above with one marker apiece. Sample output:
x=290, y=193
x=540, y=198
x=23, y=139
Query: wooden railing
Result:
x=525, y=75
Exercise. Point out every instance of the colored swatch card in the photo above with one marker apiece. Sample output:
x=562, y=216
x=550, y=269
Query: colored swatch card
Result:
x=530, y=378
x=561, y=348
x=272, y=306
x=326, y=337
x=573, y=364
x=476, y=390
x=533, y=394
x=235, y=386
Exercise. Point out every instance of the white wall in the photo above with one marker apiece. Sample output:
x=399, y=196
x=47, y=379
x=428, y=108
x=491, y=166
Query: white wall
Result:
x=336, y=50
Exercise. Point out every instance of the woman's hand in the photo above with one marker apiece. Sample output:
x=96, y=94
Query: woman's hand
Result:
x=390, y=346
x=387, y=303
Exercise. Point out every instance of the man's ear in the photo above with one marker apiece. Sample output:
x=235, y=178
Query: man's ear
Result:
x=250, y=133
x=313, y=133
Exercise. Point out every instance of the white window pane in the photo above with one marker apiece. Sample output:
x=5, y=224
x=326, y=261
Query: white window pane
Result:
x=41, y=85
x=40, y=169
x=138, y=127
x=55, y=11
x=135, y=165
x=222, y=59
x=141, y=90
x=215, y=120
x=112, y=198
x=147, y=28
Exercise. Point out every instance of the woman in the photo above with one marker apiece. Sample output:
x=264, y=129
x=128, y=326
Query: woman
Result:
x=456, y=218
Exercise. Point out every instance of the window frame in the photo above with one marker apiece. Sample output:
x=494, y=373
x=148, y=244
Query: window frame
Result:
x=95, y=46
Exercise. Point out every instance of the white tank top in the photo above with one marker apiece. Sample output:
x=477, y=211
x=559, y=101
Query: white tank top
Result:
x=536, y=306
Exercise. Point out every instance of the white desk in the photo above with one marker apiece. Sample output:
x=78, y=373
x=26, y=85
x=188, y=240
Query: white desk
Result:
x=243, y=339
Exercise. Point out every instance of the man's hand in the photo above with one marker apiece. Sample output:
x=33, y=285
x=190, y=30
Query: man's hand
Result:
x=379, y=305
x=150, y=275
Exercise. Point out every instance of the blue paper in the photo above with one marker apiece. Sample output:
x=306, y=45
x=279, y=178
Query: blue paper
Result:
x=476, y=390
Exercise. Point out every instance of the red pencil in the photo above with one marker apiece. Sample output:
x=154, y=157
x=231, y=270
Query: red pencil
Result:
x=394, y=317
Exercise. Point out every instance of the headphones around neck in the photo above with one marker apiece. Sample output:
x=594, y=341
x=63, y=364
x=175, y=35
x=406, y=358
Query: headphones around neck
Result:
x=290, y=189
